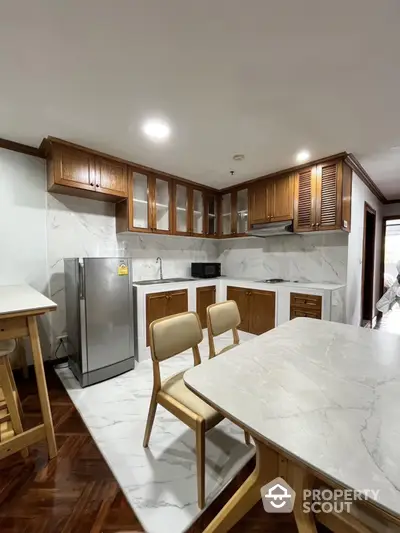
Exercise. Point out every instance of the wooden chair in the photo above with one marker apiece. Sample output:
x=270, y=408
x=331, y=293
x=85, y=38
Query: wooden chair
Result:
x=10, y=405
x=222, y=317
x=170, y=336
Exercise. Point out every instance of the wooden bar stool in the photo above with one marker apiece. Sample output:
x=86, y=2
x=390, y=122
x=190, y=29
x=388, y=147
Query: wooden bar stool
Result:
x=10, y=404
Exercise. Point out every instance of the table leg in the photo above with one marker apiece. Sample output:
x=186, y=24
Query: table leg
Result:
x=42, y=386
x=249, y=493
x=299, y=479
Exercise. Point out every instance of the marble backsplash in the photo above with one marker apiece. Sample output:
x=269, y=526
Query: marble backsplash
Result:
x=77, y=227
x=317, y=258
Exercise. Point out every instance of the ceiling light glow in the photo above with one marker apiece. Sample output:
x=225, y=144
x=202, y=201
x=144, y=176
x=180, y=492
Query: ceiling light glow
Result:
x=156, y=130
x=302, y=156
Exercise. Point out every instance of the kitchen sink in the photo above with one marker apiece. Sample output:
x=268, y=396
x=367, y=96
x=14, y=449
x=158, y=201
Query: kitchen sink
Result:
x=158, y=281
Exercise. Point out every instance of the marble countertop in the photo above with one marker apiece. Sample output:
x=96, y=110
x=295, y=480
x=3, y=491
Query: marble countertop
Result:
x=256, y=282
x=15, y=299
x=326, y=393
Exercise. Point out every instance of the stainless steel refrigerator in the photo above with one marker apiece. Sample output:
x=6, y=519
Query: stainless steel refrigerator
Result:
x=101, y=317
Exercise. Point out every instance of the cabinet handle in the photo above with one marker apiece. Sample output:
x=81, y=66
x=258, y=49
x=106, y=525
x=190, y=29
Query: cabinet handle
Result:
x=97, y=185
x=91, y=184
x=313, y=225
x=317, y=224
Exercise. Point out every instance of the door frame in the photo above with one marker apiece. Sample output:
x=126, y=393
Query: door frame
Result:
x=383, y=250
x=367, y=209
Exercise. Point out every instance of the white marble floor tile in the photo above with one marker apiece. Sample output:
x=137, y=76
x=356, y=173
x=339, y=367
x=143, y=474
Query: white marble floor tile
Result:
x=160, y=482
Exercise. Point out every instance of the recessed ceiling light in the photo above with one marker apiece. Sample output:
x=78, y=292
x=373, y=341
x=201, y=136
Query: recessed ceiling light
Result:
x=302, y=156
x=156, y=130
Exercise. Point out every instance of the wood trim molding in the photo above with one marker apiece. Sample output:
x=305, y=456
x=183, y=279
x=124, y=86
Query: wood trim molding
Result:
x=135, y=166
x=21, y=148
x=356, y=166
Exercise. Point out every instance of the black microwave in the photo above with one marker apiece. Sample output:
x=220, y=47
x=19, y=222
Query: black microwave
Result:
x=206, y=270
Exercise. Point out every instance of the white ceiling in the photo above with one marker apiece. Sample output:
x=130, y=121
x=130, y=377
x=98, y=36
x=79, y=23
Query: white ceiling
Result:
x=260, y=77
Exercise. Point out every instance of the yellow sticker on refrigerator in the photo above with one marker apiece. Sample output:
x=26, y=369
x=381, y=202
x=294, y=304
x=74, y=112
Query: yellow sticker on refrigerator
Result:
x=122, y=269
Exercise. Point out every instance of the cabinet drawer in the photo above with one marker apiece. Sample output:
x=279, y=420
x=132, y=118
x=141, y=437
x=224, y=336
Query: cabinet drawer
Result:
x=305, y=301
x=295, y=313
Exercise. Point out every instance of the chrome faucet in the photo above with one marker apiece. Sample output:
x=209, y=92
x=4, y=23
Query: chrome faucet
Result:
x=159, y=259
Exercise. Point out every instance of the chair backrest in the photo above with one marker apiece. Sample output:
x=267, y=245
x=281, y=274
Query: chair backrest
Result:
x=222, y=317
x=174, y=334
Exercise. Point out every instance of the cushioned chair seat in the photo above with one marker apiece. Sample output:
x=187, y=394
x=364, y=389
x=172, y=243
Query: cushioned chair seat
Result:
x=175, y=387
x=7, y=347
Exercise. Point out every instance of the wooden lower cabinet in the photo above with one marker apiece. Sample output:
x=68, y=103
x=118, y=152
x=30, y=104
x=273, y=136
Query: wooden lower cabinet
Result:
x=205, y=296
x=305, y=305
x=262, y=311
x=256, y=308
x=162, y=304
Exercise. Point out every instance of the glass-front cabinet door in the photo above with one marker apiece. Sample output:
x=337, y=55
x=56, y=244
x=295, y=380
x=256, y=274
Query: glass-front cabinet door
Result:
x=198, y=212
x=161, y=205
x=140, y=220
x=211, y=215
x=226, y=214
x=242, y=211
x=181, y=209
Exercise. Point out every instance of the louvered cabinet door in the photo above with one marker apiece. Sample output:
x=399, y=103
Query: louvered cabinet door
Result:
x=328, y=206
x=304, y=200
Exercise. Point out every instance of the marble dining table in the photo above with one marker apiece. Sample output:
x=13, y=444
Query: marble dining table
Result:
x=322, y=402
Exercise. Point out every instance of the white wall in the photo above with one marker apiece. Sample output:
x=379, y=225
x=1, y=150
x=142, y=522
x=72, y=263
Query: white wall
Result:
x=23, y=226
x=360, y=195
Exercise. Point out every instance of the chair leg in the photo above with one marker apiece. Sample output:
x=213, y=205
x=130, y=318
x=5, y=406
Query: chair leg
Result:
x=247, y=438
x=201, y=460
x=11, y=403
x=150, y=419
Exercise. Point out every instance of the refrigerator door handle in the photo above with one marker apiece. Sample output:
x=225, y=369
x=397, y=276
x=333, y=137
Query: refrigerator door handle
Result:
x=81, y=282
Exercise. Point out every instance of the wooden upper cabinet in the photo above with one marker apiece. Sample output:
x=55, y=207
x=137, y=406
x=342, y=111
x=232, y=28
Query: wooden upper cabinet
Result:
x=73, y=168
x=304, y=200
x=79, y=173
x=234, y=213
x=280, y=199
x=160, y=203
x=188, y=210
x=271, y=200
x=111, y=177
x=323, y=198
x=181, y=216
x=197, y=212
x=328, y=206
x=211, y=214
x=258, y=202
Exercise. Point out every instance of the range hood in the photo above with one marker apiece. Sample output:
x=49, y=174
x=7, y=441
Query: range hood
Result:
x=271, y=229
